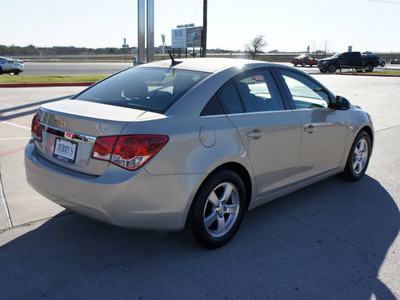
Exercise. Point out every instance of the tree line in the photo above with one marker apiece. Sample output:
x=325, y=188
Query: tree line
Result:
x=57, y=50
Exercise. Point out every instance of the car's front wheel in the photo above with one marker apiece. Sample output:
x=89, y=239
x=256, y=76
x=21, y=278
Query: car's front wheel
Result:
x=358, y=159
x=217, y=210
x=332, y=68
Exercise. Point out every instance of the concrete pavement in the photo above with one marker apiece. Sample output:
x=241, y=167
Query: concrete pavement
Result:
x=19, y=204
x=332, y=240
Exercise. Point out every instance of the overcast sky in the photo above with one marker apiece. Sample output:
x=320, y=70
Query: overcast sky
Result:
x=287, y=25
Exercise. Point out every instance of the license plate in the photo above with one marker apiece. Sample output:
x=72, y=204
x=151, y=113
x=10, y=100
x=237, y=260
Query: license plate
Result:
x=65, y=150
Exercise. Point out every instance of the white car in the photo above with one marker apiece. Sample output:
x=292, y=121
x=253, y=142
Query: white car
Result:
x=9, y=65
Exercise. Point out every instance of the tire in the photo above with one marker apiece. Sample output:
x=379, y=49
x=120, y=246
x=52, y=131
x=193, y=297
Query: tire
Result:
x=217, y=210
x=368, y=67
x=332, y=68
x=358, y=160
x=16, y=72
x=383, y=64
x=1, y=71
x=303, y=64
x=323, y=70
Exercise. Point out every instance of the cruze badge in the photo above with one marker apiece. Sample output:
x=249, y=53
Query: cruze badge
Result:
x=61, y=122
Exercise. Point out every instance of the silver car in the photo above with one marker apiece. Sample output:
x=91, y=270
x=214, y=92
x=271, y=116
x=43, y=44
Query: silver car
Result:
x=193, y=144
x=10, y=65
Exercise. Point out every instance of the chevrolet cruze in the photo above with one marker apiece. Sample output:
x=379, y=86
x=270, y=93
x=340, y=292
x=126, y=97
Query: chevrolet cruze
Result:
x=191, y=145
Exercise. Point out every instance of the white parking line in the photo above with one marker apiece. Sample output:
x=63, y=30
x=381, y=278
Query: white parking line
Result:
x=12, y=139
x=16, y=124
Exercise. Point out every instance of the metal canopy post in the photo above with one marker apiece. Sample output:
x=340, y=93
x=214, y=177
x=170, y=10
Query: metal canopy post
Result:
x=145, y=31
x=150, y=30
x=141, y=31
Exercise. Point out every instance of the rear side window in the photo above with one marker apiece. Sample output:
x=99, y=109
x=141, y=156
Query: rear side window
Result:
x=230, y=100
x=152, y=89
x=258, y=92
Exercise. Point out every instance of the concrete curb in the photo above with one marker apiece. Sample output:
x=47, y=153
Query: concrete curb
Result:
x=19, y=85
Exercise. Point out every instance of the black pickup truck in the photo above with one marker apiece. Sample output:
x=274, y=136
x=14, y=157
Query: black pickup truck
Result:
x=348, y=60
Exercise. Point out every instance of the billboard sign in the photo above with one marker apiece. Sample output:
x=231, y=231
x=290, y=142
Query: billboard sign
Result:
x=179, y=38
x=193, y=36
x=186, y=37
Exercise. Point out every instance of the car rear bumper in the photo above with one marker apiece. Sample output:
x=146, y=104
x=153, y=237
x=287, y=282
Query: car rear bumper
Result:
x=133, y=199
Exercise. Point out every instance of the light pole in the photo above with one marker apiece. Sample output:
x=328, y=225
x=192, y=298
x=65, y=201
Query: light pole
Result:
x=204, y=32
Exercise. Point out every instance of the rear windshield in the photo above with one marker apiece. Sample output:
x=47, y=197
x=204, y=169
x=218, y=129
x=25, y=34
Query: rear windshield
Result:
x=152, y=89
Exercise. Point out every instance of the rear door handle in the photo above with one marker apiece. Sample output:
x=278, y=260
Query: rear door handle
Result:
x=255, y=134
x=309, y=129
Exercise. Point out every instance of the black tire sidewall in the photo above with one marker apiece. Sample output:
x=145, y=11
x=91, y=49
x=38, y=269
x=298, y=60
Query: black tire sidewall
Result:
x=349, y=173
x=195, y=222
x=369, y=68
x=332, y=68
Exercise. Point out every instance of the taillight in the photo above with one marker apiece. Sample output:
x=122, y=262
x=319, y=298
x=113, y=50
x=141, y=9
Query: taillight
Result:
x=36, y=131
x=103, y=147
x=128, y=151
x=10, y=62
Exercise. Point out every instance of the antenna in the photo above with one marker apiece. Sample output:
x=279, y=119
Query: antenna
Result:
x=174, y=62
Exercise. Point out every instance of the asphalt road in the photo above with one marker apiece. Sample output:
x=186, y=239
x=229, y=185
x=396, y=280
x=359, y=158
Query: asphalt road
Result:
x=55, y=68
x=52, y=68
x=331, y=240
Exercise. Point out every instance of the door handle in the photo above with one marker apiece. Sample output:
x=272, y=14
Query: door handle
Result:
x=255, y=134
x=309, y=129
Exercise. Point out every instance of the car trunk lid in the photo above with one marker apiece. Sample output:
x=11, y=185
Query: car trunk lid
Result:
x=69, y=129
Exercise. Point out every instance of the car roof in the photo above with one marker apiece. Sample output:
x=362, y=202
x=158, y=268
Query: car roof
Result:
x=210, y=65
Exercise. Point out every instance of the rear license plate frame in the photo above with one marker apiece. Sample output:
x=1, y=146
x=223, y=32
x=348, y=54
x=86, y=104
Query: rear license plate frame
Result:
x=65, y=150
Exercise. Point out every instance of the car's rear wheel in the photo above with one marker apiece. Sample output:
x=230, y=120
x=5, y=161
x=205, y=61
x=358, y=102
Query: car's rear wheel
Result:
x=303, y=64
x=358, y=160
x=369, y=68
x=217, y=210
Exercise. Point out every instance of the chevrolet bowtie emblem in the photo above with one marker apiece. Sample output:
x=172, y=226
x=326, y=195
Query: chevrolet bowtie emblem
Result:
x=61, y=122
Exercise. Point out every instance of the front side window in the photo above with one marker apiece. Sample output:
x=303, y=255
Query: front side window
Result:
x=152, y=89
x=305, y=93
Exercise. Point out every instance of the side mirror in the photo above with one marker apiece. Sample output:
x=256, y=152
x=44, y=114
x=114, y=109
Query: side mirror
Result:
x=342, y=103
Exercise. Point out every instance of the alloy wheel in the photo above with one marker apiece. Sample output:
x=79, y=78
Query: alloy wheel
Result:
x=221, y=209
x=360, y=156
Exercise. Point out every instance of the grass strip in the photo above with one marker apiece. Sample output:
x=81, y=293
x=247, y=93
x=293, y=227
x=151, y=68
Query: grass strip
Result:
x=374, y=73
x=50, y=78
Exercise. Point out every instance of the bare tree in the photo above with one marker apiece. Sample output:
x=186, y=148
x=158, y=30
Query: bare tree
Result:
x=256, y=46
x=313, y=47
x=325, y=46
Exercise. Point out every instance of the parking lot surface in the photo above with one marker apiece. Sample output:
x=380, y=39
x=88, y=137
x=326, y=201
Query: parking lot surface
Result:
x=331, y=240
